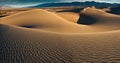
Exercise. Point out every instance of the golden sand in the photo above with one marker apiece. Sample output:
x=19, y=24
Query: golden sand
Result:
x=41, y=36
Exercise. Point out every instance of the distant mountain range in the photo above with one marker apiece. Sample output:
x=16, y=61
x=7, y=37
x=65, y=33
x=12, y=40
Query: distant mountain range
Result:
x=85, y=4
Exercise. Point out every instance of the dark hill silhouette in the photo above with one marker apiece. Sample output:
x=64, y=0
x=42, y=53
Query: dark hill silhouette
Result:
x=86, y=4
x=75, y=10
x=115, y=10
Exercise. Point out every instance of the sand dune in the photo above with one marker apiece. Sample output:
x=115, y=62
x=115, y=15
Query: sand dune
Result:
x=43, y=20
x=70, y=16
x=100, y=19
x=40, y=36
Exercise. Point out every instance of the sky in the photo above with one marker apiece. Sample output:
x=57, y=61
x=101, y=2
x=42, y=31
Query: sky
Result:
x=25, y=3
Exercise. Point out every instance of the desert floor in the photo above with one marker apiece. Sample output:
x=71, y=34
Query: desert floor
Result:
x=59, y=35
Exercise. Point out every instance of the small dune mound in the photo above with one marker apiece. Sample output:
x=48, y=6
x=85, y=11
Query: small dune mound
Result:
x=92, y=10
x=99, y=19
x=90, y=16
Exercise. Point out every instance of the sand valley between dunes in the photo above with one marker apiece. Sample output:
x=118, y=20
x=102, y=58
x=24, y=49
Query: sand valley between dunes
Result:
x=46, y=36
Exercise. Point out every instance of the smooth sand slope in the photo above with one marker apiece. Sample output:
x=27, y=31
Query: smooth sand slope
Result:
x=70, y=16
x=39, y=36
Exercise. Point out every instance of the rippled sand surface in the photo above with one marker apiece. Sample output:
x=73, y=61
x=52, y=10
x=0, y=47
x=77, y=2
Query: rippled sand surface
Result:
x=41, y=36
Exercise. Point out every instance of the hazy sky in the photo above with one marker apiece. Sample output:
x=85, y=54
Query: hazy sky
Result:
x=22, y=3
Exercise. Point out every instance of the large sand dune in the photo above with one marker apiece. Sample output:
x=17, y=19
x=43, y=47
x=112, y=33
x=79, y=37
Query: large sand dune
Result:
x=40, y=36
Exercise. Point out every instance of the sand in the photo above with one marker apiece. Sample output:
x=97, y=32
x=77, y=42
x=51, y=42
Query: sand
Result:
x=41, y=36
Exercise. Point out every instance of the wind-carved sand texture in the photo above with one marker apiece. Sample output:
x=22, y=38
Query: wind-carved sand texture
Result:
x=40, y=36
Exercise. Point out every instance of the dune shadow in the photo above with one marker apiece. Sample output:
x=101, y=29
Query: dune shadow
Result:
x=28, y=26
x=2, y=16
x=86, y=20
x=3, y=28
x=75, y=10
